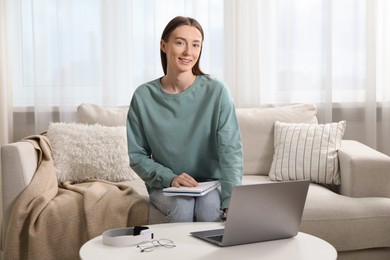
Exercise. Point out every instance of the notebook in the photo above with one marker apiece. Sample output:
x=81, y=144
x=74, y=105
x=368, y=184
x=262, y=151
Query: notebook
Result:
x=261, y=212
x=200, y=190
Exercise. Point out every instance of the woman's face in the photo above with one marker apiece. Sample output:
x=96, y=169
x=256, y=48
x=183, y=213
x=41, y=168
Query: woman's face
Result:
x=182, y=49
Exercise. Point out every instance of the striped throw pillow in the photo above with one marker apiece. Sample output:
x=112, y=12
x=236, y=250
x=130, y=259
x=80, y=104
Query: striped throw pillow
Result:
x=307, y=151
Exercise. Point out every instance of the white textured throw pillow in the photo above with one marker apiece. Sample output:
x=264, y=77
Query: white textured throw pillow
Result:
x=82, y=152
x=307, y=151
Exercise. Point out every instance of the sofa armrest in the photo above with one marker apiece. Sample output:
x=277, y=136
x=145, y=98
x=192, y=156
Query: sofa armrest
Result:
x=18, y=164
x=364, y=171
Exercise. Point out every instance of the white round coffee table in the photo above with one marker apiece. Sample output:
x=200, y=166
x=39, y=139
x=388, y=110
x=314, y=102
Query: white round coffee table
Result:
x=303, y=246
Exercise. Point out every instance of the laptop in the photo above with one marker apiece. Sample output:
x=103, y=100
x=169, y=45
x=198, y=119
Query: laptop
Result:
x=261, y=212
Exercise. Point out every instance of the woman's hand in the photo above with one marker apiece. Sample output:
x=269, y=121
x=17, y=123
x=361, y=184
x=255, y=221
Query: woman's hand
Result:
x=225, y=212
x=184, y=180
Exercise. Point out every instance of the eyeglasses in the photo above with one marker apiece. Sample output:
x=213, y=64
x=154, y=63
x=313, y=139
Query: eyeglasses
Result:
x=148, y=246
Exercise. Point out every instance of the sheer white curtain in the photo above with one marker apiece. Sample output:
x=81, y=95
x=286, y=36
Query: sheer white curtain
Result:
x=383, y=75
x=331, y=53
x=335, y=54
x=70, y=52
x=6, y=116
x=251, y=51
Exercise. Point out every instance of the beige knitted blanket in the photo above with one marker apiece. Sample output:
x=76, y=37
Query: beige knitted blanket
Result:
x=52, y=222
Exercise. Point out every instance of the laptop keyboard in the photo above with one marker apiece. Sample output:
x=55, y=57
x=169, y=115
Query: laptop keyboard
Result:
x=217, y=238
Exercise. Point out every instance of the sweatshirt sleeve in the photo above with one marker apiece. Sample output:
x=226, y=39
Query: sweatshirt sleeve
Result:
x=152, y=173
x=229, y=148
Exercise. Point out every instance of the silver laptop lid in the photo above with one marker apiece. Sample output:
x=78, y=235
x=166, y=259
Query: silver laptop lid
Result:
x=265, y=211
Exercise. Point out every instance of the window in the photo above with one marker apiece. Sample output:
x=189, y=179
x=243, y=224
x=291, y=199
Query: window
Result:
x=78, y=51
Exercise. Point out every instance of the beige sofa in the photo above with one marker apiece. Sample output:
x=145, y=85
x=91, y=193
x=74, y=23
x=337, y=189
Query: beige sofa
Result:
x=354, y=216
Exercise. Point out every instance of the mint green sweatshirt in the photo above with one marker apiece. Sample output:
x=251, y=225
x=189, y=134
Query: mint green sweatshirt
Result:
x=195, y=131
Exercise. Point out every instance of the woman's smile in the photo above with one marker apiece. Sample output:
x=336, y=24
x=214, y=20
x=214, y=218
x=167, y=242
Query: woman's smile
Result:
x=185, y=60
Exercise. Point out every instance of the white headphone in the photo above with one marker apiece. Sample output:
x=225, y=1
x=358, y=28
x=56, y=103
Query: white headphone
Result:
x=121, y=237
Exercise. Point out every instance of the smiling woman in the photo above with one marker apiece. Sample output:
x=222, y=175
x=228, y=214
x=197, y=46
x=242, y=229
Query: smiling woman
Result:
x=187, y=35
x=182, y=129
x=181, y=51
x=182, y=48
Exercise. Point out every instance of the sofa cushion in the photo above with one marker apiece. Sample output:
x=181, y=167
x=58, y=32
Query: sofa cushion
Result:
x=82, y=152
x=307, y=151
x=257, y=132
x=347, y=223
x=107, y=116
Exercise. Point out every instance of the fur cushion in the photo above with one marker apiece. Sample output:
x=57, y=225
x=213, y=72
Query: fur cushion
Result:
x=82, y=152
